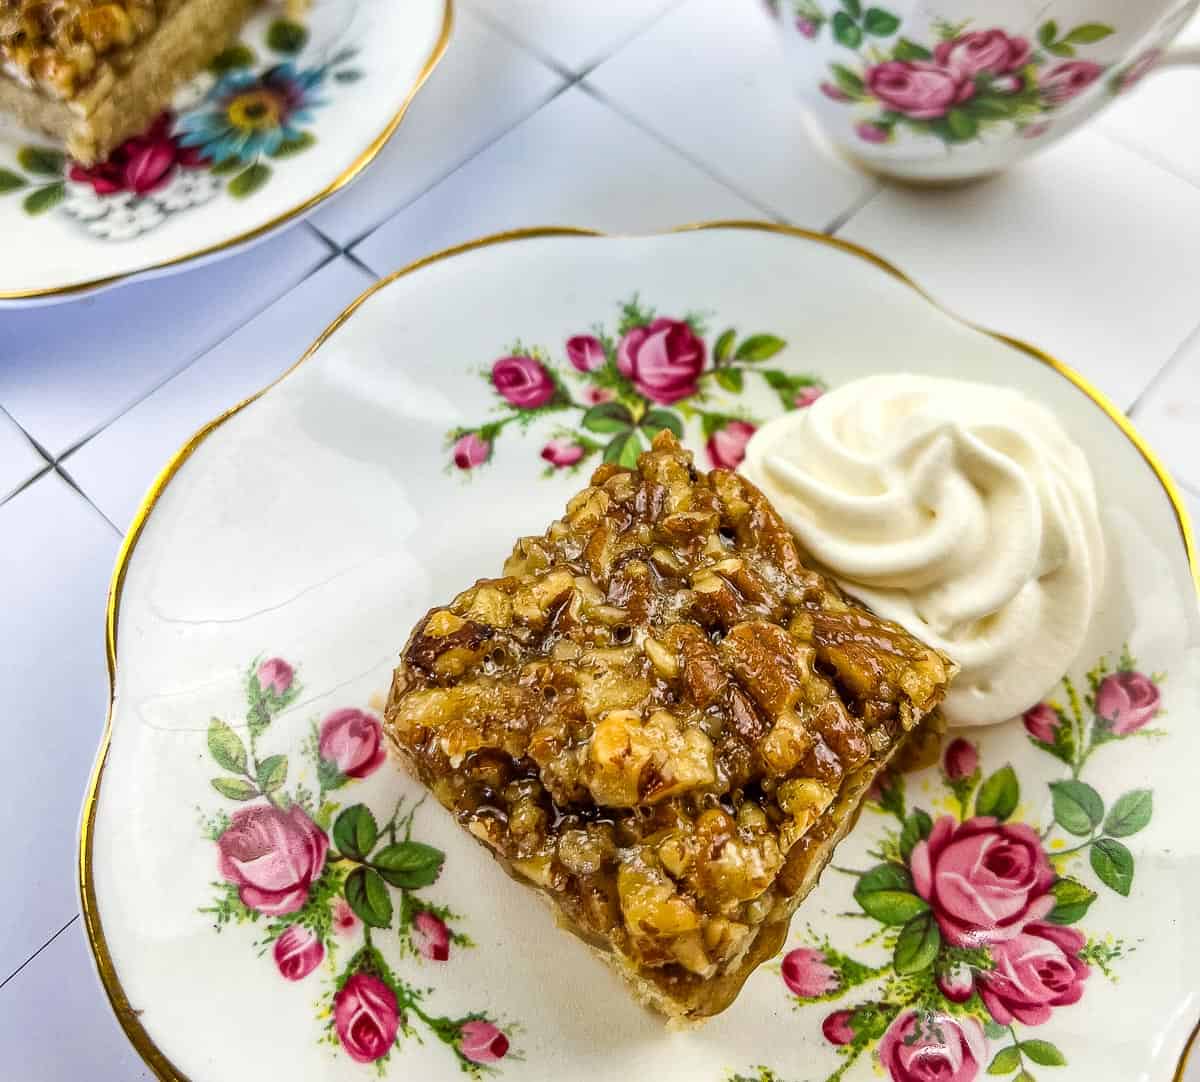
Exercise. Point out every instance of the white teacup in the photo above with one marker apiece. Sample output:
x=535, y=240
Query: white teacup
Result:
x=951, y=89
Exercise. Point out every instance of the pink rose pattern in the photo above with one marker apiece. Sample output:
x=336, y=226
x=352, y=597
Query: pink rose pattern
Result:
x=663, y=360
x=727, y=446
x=351, y=743
x=298, y=952
x=318, y=871
x=921, y=1046
x=620, y=389
x=1128, y=701
x=807, y=974
x=982, y=912
x=470, y=451
x=918, y=89
x=272, y=857
x=983, y=879
x=522, y=382
x=955, y=87
x=366, y=1017
x=1037, y=970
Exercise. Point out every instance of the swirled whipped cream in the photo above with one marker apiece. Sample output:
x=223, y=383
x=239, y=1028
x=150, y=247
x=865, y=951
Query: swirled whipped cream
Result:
x=960, y=510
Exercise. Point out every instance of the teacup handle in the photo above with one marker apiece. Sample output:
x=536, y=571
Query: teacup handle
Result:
x=1182, y=56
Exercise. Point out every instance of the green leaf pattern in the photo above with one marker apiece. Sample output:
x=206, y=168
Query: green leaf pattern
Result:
x=1017, y=88
x=369, y=866
x=602, y=405
x=940, y=972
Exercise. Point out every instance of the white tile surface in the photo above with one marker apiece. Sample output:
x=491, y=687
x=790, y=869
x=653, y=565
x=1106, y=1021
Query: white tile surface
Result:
x=56, y=1025
x=68, y=369
x=116, y=467
x=1161, y=116
x=1192, y=499
x=1169, y=414
x=56, y=557
x=575, y=35
x=735, y=111
x=485, y=86
x=1086, y=251
x=19, y=459
x=575, y=162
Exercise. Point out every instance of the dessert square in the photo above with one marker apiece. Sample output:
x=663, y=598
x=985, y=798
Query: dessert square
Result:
x=661, y=720
x=93, y=73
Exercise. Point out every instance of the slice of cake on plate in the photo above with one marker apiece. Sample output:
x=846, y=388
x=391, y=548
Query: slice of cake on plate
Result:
x=662, y=721
x=93, y=73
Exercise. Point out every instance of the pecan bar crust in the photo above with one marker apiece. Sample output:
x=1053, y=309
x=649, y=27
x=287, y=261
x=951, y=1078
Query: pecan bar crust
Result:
x=93, y=73
x=662, y=720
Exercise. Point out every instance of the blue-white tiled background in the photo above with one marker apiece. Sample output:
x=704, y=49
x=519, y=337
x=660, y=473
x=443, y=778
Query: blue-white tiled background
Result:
x=628, y=115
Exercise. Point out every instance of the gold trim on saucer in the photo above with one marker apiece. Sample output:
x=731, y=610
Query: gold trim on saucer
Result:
x=339, y=182
x=126, y=1014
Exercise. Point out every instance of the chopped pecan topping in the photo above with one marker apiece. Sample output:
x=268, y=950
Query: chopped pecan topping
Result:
x=659, y=714
x=57, y=45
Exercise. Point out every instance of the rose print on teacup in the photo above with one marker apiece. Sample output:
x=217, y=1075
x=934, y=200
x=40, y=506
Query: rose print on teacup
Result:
x=1065, y=81
x=963, y=82
x=616, y=390
x=979, y=913
x=990, y=52
x=918, y=89
x=331, y=878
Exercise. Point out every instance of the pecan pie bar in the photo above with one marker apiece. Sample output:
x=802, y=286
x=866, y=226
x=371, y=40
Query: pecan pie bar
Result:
x=94, y=73
x=661, y=720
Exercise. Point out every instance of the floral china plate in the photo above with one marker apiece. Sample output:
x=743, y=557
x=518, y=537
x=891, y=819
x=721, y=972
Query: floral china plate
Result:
x=268, y=896
x=279, y=121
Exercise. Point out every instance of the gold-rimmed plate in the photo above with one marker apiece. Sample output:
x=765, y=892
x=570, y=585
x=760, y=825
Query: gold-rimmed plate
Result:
x=279, y=122
x=282, y=556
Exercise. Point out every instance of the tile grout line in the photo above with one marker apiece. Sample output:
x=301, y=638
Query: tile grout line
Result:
x=21, y=428
x=74, y=485
x=543, y=58
x=39, y=950
x=39, y=450
x=628, y=39
x=24, y=485
x=1166, y=367
x=331, y=256
x=349, y=255
x=1148, y=156
x=603, y=99
x=569, y=81
x=329, y=242
x=840, y=220
x=553, y=62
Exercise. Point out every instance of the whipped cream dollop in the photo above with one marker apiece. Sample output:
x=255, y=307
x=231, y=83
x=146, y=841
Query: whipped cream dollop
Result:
x=963, y=511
